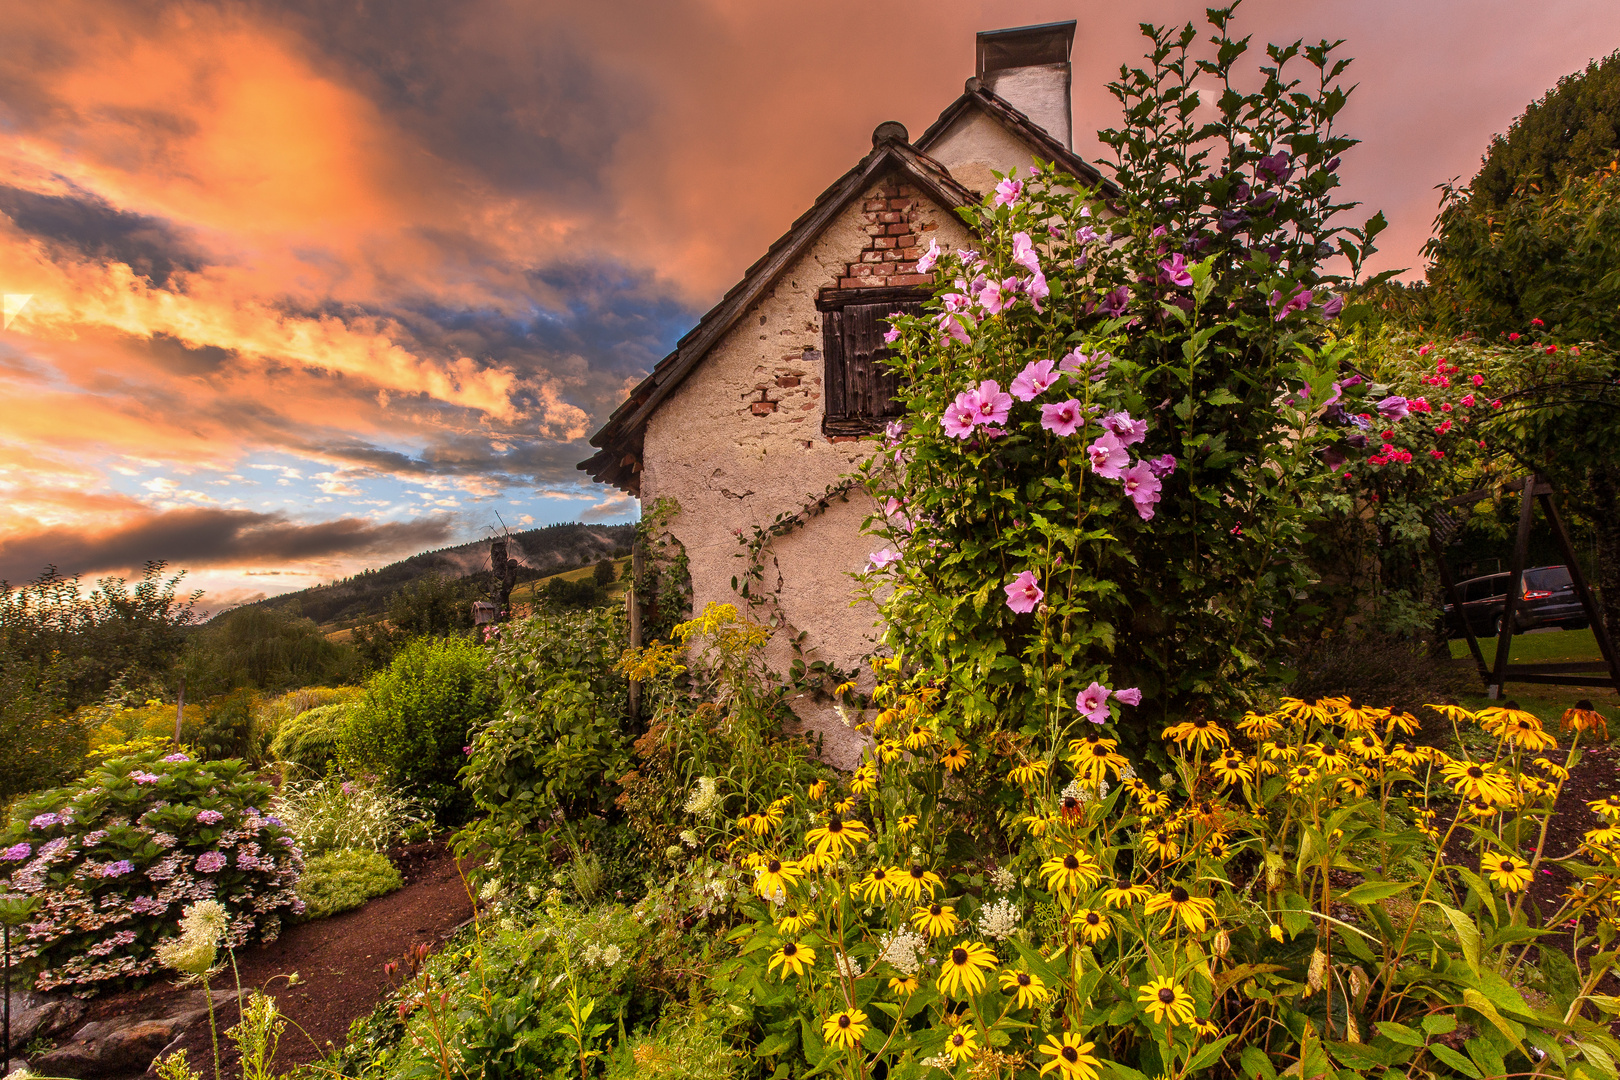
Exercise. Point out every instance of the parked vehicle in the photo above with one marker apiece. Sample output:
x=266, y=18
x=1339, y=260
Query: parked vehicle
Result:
x=1546, y=598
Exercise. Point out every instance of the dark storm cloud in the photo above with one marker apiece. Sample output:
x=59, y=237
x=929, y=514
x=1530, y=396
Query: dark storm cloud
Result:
x=500, y=88
x=205, y=537
x=91, y=228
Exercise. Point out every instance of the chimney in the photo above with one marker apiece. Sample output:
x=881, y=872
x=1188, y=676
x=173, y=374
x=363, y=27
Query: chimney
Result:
x=1028, y=67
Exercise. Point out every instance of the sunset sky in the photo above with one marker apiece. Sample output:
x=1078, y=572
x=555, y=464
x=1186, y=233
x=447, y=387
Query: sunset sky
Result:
x=315, y=285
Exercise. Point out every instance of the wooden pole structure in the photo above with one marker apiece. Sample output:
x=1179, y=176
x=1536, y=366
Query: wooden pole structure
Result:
x=632, y=596
x=1578, y=579
x=1457, y=606
x=1521, y=552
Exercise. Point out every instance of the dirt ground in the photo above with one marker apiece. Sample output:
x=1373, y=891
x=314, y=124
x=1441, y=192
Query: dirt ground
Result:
x=339, y=961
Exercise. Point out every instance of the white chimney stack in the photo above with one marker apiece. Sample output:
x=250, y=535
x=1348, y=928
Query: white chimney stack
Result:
x=1028, y=67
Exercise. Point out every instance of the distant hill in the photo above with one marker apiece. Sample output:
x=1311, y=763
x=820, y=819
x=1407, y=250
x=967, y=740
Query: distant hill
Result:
x=541, y=553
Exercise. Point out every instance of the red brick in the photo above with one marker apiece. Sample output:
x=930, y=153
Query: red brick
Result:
x=912, y=279
x=762, y=408
x=890, y=256
x=787, y=380
x=850, y=283
x=905, y=268
x=807, y=408
x=891, y=216
x=871, y=256
x=907, y=189
x=901, y=229
x=883, y=242
x=910, y=254
x=875, y=204
x=899, y=204
x=877, y=230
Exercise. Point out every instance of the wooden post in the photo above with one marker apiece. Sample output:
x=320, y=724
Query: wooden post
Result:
x=1521, y=552
x=179, y=711
x=1457, y=606
x=632, y=597
x=1588, y=601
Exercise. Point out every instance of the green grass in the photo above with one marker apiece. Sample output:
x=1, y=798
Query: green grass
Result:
x=526, y=591
x=1546, y=702
x=1537, y=647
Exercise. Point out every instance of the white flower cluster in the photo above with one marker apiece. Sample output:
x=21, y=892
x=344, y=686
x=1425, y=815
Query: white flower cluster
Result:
x=999, y=920
x=704, y=799
x=899, y=950
x=847, y=966
x=1002, y=879
x=1084, y=792
x=606, y=957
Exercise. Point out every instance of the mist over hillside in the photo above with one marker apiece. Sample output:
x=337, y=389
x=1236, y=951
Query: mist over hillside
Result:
x=539, y=553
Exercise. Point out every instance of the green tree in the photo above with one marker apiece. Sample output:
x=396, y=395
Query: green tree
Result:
x=605, y=574
x=1571, y=132
x=432, y=606
x=266, y=648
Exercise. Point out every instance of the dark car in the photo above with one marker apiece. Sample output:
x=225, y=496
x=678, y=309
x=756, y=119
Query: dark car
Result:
x=1546, y=598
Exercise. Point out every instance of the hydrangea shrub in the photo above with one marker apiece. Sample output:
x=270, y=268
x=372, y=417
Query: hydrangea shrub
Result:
x=116, y=856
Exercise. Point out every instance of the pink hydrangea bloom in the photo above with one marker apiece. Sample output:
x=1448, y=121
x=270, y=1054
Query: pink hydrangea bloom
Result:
x=210, y=862
x=1024, y=253
x=1130, y=696
x=16, y=853
x=1023, y=593
x=1092, y=702
x=1130, y=431
x=1108, y=457
x=1036, y=378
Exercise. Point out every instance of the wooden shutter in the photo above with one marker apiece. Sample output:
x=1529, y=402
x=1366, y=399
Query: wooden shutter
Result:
x=860, y=389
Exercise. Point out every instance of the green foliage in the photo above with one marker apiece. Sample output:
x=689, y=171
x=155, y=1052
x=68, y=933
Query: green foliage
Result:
x=1571, y=132
x=604, y=574
x=335, y=814
x=227, y=727
x=45, y=746
x=344, y=880
x=117, y=855
x=308, y=743
x=417, y=718
x=561, y=594
x=665, y=583
x=1178, y=312
x=558, y=746
x=437, y=605
x=266, y=648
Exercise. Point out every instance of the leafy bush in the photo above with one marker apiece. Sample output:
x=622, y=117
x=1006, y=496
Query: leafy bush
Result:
x=561, y=593
x=44, y=745
x=343, y=880
x=418, y=717
x=335, y=814
x=227, y=727
x=117, y=855
x=309, y=741
x=270, y=649
x=272, y=712
x=558, y=746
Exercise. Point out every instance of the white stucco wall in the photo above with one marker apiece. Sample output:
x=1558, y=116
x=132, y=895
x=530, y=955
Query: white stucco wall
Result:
x=732, y=464
x=976, y=147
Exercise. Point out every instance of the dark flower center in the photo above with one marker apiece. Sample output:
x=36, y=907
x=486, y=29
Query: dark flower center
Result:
x=1167, y=995
x=1070, y=1054
x=1475, y=772
x=774, y=866
x=1507, y=865
x=879, y=874
x=917, y=873
x=1092, y=918
x=1023, y=979
x=1070, y=802
x=1178, y=895
x=1302, y=771
x=935, y=911
x=957, y=1039
x=1200, y=724
x=1070, y=862
x=790, y=949
x=835, y=826
x=843, y=1020
x=958, y=957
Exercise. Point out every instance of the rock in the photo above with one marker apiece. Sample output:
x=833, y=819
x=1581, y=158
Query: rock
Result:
x=16, y=1064
x=115, y=1049
x=41, y=1015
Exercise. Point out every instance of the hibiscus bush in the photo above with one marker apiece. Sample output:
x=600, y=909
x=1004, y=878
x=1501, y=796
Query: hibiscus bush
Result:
x=1308, y=894
x=1119, y=408
x=113, y=859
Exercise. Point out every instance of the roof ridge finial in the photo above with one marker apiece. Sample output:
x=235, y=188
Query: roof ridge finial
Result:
x=890, y=131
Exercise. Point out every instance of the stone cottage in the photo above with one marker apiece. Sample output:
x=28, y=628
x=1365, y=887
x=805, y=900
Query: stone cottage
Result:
x=777, y=393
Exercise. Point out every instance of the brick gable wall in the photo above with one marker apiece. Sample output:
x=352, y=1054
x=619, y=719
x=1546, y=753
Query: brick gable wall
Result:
x=893, y=241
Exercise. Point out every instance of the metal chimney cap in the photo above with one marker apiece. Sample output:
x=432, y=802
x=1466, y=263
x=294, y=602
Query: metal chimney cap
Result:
x=890, y=131
x=1024, y=46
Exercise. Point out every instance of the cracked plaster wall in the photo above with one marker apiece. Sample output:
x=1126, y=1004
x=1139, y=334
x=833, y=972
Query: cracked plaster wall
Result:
x=740, y=442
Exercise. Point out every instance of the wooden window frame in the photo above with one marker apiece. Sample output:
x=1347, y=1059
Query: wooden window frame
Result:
x=839, y=417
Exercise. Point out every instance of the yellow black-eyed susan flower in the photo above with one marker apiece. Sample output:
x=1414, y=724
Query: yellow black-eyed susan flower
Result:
x=1406, y=755
x=1163, y=843
x=890, y=750
x=904, y=985
x=1096, y=763
x=776, y=876
x=837, y=836
x=1583, y=717
x=1453, y=712
x=918, y=737
x=1604, y=839
x=1070, y=872
x=1195, y=912
x=1302, y=712
x=1473, y=780
x=1300, y=777
x=1508, y=871
x=818, y=791
x=963, y=968
x=1231, y=768
x=962, y=1043
x=1206, y=1029
x=797, y=923
x=1366, y=746
x=1028, y=987
x=1329, y=759
x=955, y=757
x=935, y=920
x=1403, y=722
x=914, y=881
x=1123, y=895
x=1608, y=807
x=865, y=778
x=906, y=823
x=1552, y=769
x=1536, y=788
x=1258, y=726
x=1201, y=732
x=845, y=1029
x=1035, y=823
x=1484, y=808
x=1354, y=783
x=1093, y=925
x=1071, y=808
x=1166, y=1002
x=877, y=886
x=1027, y=772
x=1071, y=1057
x=1152, y=802
x=792, y=958
x=1217, y=847
x=1524, y=731
x=845, y=807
